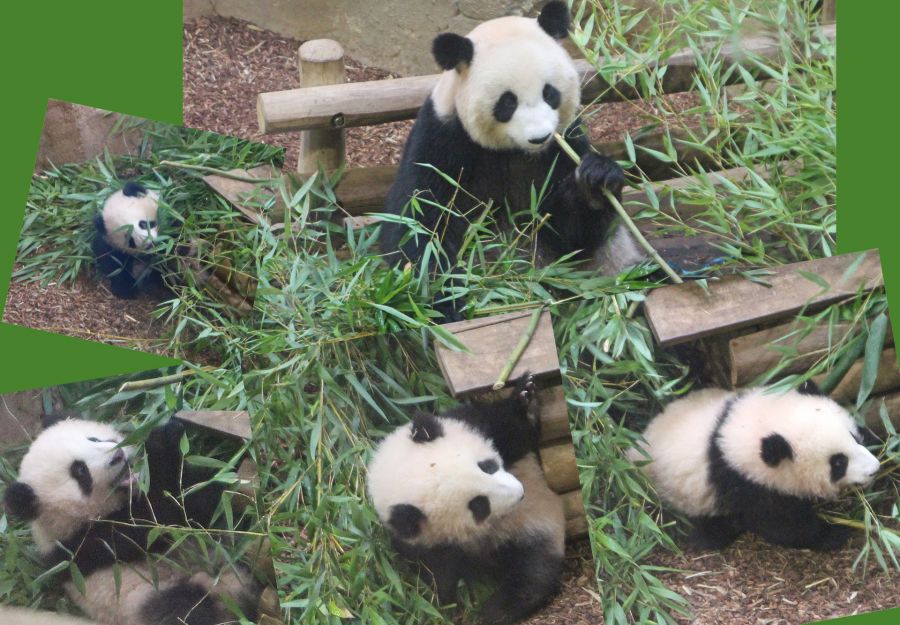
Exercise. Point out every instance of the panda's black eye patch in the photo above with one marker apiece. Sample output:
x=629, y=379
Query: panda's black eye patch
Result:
x=505, y=106
x=552, y=96
x=838, y=464
x=82, y=475
x=480, y=507
x=489, y=466
x=142, y=224
x=152, y=224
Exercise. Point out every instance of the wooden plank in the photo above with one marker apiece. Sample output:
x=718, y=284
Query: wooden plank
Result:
x=753, y=354
x=231, y=423
x=888, y=378
x=490, y=341
x=246, y=196
x=377, y=102
x=560, y=468
x=687, y=312
x=576, y=518
x=871, y=411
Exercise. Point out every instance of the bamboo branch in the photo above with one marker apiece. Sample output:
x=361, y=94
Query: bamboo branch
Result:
x=149, y=383
x=216, y=172
x=516, y=354
x=626, y=218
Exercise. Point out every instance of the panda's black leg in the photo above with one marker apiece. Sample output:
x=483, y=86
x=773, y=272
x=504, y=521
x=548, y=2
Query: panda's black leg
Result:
x=804, y=530
x=445, y=567
x=527, y=395
x=598, y=173
x=530, y=578
x=715, y=532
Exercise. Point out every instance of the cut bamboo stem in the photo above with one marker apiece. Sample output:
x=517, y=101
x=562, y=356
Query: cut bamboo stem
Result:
x=520, y=348
x=624, y=216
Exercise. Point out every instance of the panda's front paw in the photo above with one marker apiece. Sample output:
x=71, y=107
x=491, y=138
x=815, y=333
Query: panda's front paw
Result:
x=527, y=394
x=831, y=538
x=597, y=173
x=165, y=440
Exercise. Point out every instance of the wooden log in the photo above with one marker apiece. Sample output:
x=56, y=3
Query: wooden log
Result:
x=490, y=341
x=829, y=11
x=751, y=355
x=576, y=518
x=687, y=312
x=554, y=414
x=560, y=469
x=321, y=63
x=247, y=197
x=871, y=411
x=230, y=423
x=888, y=378
x=376, y=102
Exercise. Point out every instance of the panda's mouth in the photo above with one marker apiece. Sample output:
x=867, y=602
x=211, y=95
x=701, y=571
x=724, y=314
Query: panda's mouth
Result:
x=126, y=478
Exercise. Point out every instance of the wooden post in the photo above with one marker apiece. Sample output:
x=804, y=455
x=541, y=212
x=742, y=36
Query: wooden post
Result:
x=321, y=63
x=829, y=11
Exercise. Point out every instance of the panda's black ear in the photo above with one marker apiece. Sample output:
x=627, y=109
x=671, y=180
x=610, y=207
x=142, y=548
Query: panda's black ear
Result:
x=554, y=19
x=426, y=428
x=810, y=388
x=775, y=448
x=52, y=418
x=451, y=50
x=21, y=501
x=406, y=520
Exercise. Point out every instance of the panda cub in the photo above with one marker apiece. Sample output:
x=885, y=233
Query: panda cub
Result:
x=126, y=230
x=757, y=461
x=508, y=86
x=76, y=487
x=464, y=495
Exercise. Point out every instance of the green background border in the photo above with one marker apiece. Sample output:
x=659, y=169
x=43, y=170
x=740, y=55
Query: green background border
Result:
x=126, y=56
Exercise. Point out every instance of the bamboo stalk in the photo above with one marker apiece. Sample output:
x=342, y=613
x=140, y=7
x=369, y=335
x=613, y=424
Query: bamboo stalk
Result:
x=516, y=354
x=214, y=171
x=626, y=218
x=149, y=383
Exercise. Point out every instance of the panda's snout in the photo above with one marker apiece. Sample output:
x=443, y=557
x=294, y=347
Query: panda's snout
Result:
x=539, y=140
x=118, y=456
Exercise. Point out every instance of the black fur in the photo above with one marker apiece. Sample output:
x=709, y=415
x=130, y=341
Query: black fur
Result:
x=134, y=189
x=406, y=520
x=190, y=604
x=82, y=476
x=554, y=19
x=451, y=50
x=120, y=267
x=425, y=428
x=810, y=388
x=743, y=505
x=526, y=570
x=21, y=502
x=52, y=418
x=580, y=216
x=774, y=449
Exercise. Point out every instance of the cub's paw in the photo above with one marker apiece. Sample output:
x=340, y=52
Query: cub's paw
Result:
x=527, y=394
x=596, y=173
x=832, y=537
x=165, y=440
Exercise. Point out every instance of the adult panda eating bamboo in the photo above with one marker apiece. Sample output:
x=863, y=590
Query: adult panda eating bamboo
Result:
x=488, y=125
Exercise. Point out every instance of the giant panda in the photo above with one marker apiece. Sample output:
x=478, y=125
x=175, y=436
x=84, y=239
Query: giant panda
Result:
x=756, y=460
x=508, y=86
x=463, y=494
x=76, y=487
x=126, y=230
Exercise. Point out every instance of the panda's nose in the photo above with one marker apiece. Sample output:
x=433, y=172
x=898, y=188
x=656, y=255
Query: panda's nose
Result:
x=118, y=456
x=539, y=140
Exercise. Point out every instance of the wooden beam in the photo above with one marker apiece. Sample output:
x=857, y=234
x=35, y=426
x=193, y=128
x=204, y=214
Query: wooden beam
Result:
x=888, y=378
x=376, y=102
x=490, y=341
x=871, y=411
x=560, y=468
x=686, y=312
x=230, y=423
x=752, y=355
x=321, y=63
x=576, y=517
x=247, y=197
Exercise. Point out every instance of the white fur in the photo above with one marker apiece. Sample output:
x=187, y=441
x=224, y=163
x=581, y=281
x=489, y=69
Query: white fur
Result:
x=122, y=217
x=10, y=615
x=63, y=507
x=618, y=253
x=440, y=477
x=678, y=439
x=511, y=54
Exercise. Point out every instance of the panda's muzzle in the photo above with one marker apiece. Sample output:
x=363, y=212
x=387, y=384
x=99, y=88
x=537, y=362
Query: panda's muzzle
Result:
x=539, y=140
x=118, y=456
